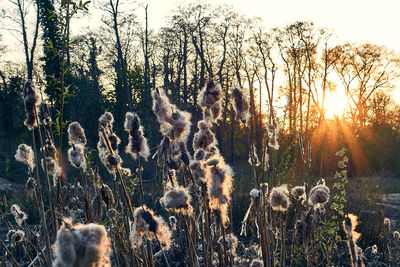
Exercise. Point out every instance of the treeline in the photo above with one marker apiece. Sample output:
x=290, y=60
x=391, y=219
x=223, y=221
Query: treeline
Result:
x=286, y=72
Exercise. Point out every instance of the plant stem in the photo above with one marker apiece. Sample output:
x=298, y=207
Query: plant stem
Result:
x=42, y=213
x=15, y=263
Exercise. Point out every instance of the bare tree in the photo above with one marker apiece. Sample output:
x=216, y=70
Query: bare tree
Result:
x=363, y=70
x=23, y=7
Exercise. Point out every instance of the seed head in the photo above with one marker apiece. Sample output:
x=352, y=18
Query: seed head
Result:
x=16, y=237
x=146, y=224
x=240, y=105
x=31, y=101
x=76, y=155
x=255, y=193
x=174, y=123
x=387, y=223
x=210, y=101
x=176, y=199
x=107, y=119
x=30, y=186
x=349, y=225
x=279, y=198
x=19, y=215
x=137, y=142
x=218, y=176
x=107, y=195
x=396, y=235
x=76, y=134
x=299, y=192
x=319, y=194
x=82, y=245
x=25, y=155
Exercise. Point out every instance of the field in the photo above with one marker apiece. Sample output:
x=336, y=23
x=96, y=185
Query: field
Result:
x=210, y=141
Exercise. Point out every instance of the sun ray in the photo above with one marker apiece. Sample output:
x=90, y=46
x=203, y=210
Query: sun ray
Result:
x=336, y=104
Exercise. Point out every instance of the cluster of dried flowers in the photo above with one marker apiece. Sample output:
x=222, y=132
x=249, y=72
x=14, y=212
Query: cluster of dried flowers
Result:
x=137, y=145
x=82, y=245
x=25, y=155
x=77, y=141
x=31, y=101
x=50, y=162
x=147, y=225
x=107, y=145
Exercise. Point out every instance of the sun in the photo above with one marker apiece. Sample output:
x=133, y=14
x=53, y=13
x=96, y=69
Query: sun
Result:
x=335, y=104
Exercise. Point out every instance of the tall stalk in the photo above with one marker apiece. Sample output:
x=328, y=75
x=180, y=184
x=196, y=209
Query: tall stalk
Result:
x=42, y=212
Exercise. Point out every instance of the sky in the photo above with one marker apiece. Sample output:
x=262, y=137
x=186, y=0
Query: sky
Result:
x=352, y=20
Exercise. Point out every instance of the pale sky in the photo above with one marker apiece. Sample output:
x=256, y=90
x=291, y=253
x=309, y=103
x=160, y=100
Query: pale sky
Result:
x=372, y=21
x=352, y=20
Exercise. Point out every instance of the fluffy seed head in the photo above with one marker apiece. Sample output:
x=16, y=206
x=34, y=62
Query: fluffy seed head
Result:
x=240, y=105
x=174, y=123
x=76, y=155
x=255, y=193
x=31, y=101
x=218, y=176
x=279, y=198
x=319, y=194
x=180, y=122
x=76, y=134
x=30, y=186
x=110, y=161
x=299, y=192
x=25, y=155
x=204, y=138
x=176, y=199
x=210, y=94
x=146, y=224
x=82, y=245
x=374, y=249
x=107, y=195
x=52, y=167
x=137, y=142
x=107, y=119
x=17, y=236
x=349, y=225
x=210, y=101
x=19, y=215
x=161, y=106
